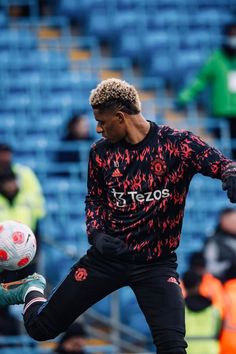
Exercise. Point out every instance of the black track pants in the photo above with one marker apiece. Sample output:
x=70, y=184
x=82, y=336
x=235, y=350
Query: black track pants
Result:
x=93, y=277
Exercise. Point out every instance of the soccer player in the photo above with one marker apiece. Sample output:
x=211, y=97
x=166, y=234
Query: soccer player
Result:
x=138, y=179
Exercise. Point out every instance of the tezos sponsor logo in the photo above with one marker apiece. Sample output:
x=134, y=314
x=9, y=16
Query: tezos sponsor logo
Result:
x=123, y=198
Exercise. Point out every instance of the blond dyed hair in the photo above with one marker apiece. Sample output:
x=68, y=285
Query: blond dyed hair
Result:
x=115, y=94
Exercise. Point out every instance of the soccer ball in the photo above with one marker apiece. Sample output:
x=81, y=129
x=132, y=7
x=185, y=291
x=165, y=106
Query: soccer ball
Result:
x=17, y=245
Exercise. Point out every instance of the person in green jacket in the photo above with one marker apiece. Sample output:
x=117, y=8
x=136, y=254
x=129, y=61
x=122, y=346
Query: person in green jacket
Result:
x=203, y=320
x=220, y=73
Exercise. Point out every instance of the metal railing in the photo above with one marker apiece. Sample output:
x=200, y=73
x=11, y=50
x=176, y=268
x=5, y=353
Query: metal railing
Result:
x=23, y=344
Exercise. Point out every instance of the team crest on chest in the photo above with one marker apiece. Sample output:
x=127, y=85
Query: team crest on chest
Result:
x=158, y=167
x=81, y=274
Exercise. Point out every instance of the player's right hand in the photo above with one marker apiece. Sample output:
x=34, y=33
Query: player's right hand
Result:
x=108, y=245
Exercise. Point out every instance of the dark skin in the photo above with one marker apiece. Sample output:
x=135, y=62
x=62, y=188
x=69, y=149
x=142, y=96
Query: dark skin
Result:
x=9, y=189
x=5, y=158
x=118, y=125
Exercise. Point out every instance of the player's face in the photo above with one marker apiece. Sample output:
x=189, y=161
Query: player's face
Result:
x=110, y=125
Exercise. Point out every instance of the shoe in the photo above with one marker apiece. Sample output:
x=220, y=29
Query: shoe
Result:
x=15, y=292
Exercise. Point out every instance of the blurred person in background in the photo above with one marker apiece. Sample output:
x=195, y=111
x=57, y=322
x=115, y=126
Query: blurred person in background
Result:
x=228, y=334
x=27, y=179
x=220, y=73
x=203, y=319
x=210, y=286
x=72, y=341
x=17, y=203
x=77, y=130
x=220, y=249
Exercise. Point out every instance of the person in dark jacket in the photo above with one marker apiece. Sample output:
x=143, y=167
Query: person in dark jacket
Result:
x=220, y=249
x=73, y=340
x=69, y=151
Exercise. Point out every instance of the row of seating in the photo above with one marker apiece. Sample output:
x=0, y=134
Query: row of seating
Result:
x=150, y=34
x=158, y=40
x=74, y=9
x=25, y=344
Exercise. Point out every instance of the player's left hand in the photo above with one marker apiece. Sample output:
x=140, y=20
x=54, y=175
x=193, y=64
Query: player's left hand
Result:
x=229, y=185
x=229, y=181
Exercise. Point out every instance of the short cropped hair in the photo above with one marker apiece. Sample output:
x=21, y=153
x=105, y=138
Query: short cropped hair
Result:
x=115, y=94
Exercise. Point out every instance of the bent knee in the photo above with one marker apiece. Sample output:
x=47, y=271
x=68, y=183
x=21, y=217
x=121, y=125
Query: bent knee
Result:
x=41, y=334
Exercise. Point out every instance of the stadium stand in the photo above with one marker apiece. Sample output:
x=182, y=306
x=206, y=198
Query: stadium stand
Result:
x=47, y=73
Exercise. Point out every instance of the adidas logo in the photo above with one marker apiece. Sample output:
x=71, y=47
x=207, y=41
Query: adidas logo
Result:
x=116, y=173
x=172, y=280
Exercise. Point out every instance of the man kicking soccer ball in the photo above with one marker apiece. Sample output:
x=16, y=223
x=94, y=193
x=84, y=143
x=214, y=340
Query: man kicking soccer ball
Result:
x=138, y=180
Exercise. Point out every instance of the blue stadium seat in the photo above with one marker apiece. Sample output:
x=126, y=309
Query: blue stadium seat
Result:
x=103, y=306
x=78, y=10
x=205, y=19
x=127, y=21
x=196, y=40
x=188, y=62
x=162, y=66
x=99, y=25
x=165, y=4
x=161, y=41
x=13, y=39
x=135, y=318
x=129, y=5
x=165, y=20
x=130, y=47
x=3, y=19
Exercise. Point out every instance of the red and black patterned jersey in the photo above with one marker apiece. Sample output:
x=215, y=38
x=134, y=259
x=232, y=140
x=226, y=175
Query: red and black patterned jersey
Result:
x=138, y=192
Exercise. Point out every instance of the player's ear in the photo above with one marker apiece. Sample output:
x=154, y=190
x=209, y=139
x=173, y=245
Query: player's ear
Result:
x=121, y=117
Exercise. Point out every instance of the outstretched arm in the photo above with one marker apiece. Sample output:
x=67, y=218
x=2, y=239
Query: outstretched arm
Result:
x=209, y=161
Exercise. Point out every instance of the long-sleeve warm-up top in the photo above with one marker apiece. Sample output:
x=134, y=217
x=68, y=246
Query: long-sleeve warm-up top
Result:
x=138, y=192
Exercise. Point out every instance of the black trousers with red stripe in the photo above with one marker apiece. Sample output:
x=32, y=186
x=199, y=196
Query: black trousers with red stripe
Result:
x=155, y=286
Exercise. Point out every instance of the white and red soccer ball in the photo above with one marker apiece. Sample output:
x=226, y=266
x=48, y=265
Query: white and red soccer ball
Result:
x=17, y=245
